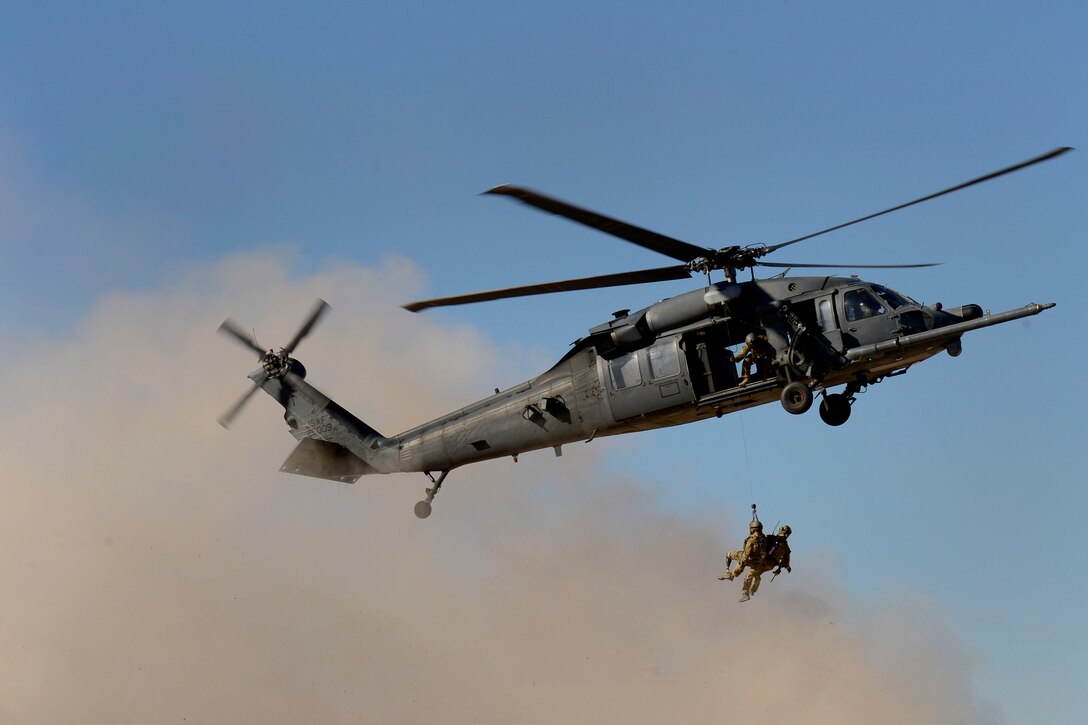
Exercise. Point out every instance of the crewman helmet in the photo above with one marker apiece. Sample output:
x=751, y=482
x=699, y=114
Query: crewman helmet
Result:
x=784, y=530
x=751, y=338
x=755, y=525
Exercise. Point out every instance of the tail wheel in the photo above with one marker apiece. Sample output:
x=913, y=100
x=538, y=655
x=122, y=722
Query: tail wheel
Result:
x=796, y=398
x=835, y=409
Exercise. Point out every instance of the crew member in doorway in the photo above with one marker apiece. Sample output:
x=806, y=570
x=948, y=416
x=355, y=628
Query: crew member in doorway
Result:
x=756, y=350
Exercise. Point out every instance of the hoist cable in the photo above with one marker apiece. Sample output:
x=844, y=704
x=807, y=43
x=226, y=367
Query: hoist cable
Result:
x=747, y=463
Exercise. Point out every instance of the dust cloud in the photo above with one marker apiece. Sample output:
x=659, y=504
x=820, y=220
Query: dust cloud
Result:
x=159, y=569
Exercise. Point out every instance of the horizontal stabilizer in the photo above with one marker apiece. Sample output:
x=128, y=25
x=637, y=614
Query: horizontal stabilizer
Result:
x=324, y=459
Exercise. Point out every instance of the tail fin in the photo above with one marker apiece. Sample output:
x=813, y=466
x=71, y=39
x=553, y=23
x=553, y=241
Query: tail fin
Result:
x=322, y=459
x=333, y=443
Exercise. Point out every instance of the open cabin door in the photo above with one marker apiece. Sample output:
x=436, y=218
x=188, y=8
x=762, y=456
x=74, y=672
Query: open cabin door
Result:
x=709, y=360
x=646, y=380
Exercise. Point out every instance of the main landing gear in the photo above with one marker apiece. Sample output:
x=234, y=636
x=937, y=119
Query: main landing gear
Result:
x=834, y=408
x=796, y=397
x=423, y=508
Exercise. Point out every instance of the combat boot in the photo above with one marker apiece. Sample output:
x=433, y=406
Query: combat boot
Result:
x=745, y=597
x=743, y=381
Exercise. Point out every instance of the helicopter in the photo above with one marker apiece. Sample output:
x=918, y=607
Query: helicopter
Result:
x=664, y=365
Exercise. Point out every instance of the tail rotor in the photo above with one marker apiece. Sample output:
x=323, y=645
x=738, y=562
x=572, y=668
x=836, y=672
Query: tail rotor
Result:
x=227, y=418
x=273, y=364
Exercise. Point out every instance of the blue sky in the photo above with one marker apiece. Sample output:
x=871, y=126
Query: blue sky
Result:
x=139, y=140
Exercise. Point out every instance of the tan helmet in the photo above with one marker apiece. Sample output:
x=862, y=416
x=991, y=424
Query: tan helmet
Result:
x=755, y=525
x=751, y=338
x=784, y=531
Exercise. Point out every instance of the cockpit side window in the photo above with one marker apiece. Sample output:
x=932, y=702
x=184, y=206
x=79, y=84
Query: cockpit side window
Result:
x=860, y=303
x=892, y=298
x=625, y=372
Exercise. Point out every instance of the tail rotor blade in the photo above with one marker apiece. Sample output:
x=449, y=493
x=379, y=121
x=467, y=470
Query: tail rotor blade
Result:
x=315, y=314
x=230, y=328
x=227, y=418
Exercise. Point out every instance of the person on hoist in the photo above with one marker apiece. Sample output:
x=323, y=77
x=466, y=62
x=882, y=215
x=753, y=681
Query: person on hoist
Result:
x=753, y=556
x=756, y=350
x=776, y=556
x=778, y=551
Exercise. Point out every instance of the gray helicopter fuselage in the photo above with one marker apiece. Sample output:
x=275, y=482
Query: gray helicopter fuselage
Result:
x=667, y=364
x=674, y=362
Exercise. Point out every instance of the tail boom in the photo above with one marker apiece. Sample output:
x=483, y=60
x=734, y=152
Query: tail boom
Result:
x=333, y=443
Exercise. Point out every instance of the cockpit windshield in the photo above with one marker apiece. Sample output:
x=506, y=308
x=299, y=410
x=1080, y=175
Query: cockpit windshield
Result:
x=891, y=297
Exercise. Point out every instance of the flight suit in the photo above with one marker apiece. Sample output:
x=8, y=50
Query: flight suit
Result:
x=755, y=548
x=777, y=556
x=778, y=553
x=759, y=352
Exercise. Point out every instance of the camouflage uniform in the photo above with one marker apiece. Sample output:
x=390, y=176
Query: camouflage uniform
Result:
x=778, y=551
x=761, y=554
x=752, y=557
x=777, y=557
x=757, y=350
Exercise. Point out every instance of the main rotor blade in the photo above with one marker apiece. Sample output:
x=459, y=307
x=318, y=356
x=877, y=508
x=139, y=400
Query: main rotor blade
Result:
x=659, y=274
x=228, y=417
x=233, y=329
x=315, y=314
x=1001, y=172
x=859, y=266
x=636, y=235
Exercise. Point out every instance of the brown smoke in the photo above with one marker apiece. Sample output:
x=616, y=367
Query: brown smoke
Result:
x=159, y=569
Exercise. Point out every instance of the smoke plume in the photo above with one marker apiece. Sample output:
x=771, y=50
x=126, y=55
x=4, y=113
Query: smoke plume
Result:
x=159, y=569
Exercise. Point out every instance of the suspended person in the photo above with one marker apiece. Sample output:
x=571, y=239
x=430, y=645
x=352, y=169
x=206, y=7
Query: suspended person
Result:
x=778, y=552
x=751, y=557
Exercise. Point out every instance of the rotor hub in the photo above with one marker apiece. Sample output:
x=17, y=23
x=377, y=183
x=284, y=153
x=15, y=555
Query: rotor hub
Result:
x=276, y=364
x=729, y=259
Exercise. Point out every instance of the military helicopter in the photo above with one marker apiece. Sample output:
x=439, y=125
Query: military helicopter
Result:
x=667, y=364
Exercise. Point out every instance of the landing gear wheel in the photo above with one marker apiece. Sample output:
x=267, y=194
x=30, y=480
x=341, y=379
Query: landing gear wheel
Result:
x=835, y=409
x=796, y=398
x=423, y=508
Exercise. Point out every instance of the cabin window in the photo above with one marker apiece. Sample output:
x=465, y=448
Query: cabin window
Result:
x=826, y=315
x=860, y=303
x=664, y=360
x=625, y=372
